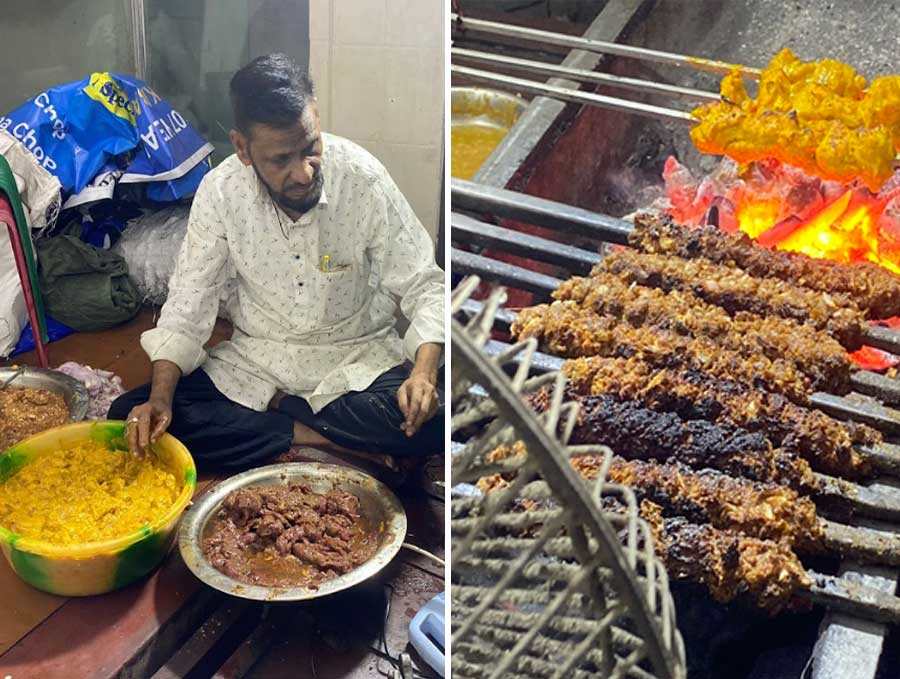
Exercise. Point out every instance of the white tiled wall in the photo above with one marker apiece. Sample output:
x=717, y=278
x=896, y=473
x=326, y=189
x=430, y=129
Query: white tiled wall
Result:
x=378, y=66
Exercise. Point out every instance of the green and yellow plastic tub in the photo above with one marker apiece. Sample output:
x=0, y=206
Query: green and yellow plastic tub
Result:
x=94, y=567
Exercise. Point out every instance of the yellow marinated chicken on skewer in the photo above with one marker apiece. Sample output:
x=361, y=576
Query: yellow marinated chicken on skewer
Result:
x=819, y=116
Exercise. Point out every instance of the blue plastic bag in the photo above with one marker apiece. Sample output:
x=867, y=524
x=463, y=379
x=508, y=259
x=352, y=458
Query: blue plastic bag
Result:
x=74, y=129
x=55, y=331
x=110, y=128
x=170, y=148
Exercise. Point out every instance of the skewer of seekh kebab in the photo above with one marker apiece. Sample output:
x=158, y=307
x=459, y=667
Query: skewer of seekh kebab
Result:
x=765, y=572
x=827, y=444
x=735, y=291
x=871, y=287
x=761, y=510
x=566, y=329
x=734, y=536
x=637, y=432
x=812, y=352
x=569, y=331
x=764, y=510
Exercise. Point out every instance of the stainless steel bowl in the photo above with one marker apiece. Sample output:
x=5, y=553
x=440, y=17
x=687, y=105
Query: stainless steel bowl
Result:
x=495, y=106
x=377, y=504
x=73, y=391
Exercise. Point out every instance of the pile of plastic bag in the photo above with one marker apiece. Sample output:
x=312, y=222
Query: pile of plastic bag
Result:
x=72, y=146
x=150, y=245
x=110, y=129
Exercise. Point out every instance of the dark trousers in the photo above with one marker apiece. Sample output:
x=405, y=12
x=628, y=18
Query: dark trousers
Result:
x=222, y=433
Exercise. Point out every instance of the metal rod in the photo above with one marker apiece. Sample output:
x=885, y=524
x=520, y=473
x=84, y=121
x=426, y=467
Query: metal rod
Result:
x=865, y=544
x=502, y=319
x=573, y=96
x=841, y=594
x=862, y=499
x=139, y=40
x=467, y=263
x=880, y=337
x=473, y=232
x=884, y=419
x=886, y=389
x=581, y=75
x=573, y=42
x=884, y=457
x=467, y=195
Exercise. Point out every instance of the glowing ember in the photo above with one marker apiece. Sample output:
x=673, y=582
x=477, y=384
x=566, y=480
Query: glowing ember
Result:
x=758, y=217
x=870, y=358
x=781, y=207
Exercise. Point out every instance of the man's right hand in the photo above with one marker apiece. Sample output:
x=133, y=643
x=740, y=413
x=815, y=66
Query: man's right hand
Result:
x=146, y=423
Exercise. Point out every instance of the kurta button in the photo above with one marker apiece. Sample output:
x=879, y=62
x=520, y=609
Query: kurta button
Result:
x=297, y=257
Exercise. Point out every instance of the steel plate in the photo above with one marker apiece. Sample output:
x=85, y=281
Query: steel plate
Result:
x=73, y=391
x=377, y=504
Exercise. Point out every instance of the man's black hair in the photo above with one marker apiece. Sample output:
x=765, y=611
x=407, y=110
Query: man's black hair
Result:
x=271, y=90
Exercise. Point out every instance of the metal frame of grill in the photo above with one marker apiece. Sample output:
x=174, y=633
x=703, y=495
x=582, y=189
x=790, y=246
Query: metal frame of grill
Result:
x=571, y=590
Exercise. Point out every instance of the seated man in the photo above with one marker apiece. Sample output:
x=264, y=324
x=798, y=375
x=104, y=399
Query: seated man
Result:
x=318, y=242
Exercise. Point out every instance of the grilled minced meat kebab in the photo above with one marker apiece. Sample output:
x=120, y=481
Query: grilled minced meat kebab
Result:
x=813, y=352
x=761, y=510
x=567, y=330
x=872, y=288
x=735, y=290
x=639, y=433
x=826, y=443
x=727, y=563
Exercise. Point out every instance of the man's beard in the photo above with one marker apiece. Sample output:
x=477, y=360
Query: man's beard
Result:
x=298, y=205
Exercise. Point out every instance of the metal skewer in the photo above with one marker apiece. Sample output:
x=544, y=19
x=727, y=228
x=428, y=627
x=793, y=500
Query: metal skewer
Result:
x=581, y=75
x=570, y=95
x=599, y=46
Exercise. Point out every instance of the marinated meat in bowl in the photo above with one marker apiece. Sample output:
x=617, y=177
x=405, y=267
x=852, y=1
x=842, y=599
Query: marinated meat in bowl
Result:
x=288, y=536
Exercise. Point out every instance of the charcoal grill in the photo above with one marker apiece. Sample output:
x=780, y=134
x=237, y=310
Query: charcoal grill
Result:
x=561, y=238
x=861, y=591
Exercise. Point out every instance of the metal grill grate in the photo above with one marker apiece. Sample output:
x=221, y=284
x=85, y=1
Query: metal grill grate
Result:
x=571, y=587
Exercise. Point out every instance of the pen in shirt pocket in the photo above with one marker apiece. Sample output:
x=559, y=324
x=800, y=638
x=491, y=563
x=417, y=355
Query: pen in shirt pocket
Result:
x=327, y=266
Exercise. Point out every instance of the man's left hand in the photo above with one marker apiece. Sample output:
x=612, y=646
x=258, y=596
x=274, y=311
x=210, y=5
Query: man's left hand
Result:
x=418, y=399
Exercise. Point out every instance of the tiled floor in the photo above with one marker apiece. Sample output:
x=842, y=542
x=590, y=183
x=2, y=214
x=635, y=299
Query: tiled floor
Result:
x=47, y=636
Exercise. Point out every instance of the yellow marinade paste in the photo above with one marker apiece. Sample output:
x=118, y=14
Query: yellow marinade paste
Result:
x=85, y=494
x=471, y=143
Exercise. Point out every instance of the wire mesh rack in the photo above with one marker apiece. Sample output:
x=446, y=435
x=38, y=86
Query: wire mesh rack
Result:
x=553, y=576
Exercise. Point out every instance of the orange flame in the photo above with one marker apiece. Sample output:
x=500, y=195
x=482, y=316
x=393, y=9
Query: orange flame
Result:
x=844, y=230
x=757, y=217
